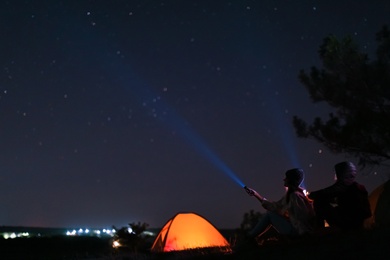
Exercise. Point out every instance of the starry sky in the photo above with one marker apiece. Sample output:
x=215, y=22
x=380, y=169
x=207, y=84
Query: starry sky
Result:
x=113, y=112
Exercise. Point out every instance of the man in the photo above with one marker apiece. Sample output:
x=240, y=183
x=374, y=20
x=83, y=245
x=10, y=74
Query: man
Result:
x=344, y=204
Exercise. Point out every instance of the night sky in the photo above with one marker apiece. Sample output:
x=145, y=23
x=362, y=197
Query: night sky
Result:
x=113, y=112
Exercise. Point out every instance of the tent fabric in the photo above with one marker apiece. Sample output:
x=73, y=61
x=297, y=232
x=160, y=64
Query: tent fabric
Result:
x=380, y=207
x=186, y=231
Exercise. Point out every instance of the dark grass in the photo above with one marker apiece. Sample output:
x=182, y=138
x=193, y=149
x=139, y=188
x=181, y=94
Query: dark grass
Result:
x=56, y=247
x=373, y=244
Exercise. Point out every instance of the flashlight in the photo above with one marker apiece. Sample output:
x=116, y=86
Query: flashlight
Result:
x=249, y=191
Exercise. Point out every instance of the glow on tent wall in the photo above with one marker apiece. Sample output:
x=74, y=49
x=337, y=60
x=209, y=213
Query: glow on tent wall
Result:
x=188, y=231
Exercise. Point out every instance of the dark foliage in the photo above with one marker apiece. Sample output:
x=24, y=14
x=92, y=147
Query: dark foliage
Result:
x=133, y=239
x=359, y=92
x=250, y=220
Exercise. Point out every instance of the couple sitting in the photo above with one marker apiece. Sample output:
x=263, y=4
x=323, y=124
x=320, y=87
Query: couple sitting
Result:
x=343, y=205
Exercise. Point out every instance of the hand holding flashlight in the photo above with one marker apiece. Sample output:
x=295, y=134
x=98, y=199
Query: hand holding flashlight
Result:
x=249, y=191
x=254, y=193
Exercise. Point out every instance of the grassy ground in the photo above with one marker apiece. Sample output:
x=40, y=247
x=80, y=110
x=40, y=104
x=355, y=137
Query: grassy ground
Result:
x=57, y=247
x=351, y=245
x=373, y=244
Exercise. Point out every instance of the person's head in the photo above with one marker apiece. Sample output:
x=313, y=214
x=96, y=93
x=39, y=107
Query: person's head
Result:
x=345, y=172
x=294, y=178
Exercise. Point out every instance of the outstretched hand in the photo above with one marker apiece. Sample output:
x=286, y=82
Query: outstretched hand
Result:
x=250, y=191
x=254, y=193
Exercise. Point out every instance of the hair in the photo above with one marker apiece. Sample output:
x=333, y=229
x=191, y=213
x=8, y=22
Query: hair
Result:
x=295, y=178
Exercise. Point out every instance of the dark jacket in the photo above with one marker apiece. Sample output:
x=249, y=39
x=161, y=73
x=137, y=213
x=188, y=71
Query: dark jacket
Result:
x=350, y=200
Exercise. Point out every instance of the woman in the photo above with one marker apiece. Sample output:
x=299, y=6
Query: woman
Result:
x=292, y=215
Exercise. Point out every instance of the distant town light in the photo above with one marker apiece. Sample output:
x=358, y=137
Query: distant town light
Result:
x=71, y=233
x=116, y=244
x=95, y=232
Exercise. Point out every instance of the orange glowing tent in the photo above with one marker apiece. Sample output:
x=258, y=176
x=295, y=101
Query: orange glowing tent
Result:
x=379, y=202
x=186, y=231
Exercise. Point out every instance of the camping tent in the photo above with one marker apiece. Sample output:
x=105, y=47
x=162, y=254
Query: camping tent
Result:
x=380, y=207
x=187, y=231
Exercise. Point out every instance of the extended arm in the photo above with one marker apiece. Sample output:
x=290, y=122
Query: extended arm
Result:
x=255, y=194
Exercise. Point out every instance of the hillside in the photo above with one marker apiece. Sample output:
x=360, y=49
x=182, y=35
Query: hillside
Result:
x=372, y=244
